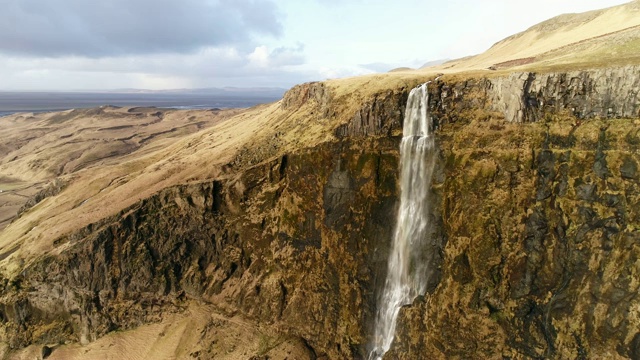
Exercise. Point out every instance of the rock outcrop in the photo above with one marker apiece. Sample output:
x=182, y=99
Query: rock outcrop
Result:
x=528, y=96
x=301, y=94
x=379, y=116
x=52, y=189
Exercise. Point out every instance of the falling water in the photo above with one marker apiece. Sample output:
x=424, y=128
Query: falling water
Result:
x=407, y=271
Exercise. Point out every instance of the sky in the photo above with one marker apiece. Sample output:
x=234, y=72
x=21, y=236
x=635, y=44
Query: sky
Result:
x=174, y=44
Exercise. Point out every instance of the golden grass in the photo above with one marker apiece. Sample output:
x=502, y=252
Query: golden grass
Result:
x=552, y=42
x=89, y=152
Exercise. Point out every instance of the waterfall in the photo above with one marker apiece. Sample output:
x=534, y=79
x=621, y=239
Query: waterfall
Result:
x=407, y=270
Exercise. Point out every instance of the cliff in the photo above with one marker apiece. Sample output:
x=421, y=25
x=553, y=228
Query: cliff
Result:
x=265, y=235
x=541, y=258
x=532, y=218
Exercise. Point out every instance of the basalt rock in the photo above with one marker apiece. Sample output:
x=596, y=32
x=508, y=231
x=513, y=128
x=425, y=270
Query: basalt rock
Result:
x=541, y=259
x=379, y=116
x=528, y=97
x=301, y=94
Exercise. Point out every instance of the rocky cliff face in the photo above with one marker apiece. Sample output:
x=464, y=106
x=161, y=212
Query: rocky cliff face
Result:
x=527, y=96
x=536, y=235
x=543, y=246
x=296, y=242
x=542, y=252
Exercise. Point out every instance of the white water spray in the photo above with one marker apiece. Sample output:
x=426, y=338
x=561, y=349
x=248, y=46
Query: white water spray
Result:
x=407, y=271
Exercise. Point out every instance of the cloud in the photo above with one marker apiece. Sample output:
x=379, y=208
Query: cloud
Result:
x=210, y=66
x=338, y=72
x=379, y=67
x=261, y=57
x=77, y=44
x=210, y=61
x=59, y=28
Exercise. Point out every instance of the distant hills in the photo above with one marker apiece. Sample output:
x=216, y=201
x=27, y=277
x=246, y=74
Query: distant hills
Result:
x=228, y=97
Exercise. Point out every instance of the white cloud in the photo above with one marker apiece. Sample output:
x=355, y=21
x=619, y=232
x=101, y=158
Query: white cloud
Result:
x=340, y=72
x=283, y=56
x=259, y=57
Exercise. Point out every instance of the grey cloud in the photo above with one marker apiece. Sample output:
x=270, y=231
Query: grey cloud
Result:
x=288, y=56
x=58, y=28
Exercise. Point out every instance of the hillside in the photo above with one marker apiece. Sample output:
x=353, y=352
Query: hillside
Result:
x=596, y=38
x=38, y=148
x=263, y=233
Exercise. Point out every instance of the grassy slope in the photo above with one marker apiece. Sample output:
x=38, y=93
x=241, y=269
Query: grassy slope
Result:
x=553, y=42
x=39, y=148
x=96, y=192
x=178, y=336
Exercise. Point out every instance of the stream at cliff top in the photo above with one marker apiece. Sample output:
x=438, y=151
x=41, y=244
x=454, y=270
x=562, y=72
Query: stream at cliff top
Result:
x=407, y=272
